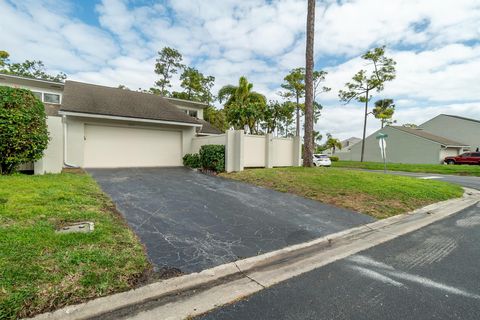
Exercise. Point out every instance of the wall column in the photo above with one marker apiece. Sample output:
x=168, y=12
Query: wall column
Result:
x=239, y=148
x=297, y=152
x=269, y=150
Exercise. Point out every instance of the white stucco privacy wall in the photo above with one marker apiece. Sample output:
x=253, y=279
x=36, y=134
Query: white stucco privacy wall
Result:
x=52, y=161
x=254, y=151
x=282, y=152
x=197, y=142
x=244, y=150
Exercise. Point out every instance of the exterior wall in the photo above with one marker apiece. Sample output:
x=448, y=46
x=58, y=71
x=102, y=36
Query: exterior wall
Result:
x=282, y=149
x=33, y=88
x=450, y=152
x=52, y=161
x=243, y=150
x=344, y=155
x=197, y=142
x=76, y=135
x=460, y=130
x=254, y=147
x=199, y=110
x=402, y=147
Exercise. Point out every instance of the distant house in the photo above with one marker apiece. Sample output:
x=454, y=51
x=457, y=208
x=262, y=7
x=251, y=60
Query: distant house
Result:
x=347, y=144
x=407, y=145
x=455, y=128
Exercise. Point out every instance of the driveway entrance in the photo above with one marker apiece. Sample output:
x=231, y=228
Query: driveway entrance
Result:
x=190, y=221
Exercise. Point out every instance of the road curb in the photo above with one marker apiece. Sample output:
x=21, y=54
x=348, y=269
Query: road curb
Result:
x=256, y=273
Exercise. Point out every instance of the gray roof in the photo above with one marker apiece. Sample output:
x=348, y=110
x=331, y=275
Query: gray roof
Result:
x=430, y=136
x=187, y=103
x=208, y=128
x=94, y=99
x=462, y=118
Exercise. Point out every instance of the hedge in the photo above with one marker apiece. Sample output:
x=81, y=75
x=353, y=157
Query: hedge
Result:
x=23, y=128
x=212, y=157
x=192, y=160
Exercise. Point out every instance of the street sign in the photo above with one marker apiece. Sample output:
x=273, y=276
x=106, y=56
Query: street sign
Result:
x=381, y=136
x=382, y=143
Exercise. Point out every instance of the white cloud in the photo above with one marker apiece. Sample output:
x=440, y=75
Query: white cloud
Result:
x=435, y=44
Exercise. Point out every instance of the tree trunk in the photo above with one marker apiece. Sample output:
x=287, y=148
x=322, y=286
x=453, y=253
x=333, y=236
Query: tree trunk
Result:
x=364, y=126
x=297, y=130
x=308, y=141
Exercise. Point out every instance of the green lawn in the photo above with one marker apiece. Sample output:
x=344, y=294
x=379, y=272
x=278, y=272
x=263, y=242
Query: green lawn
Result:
x=376, y=194
x=463, y=170
x=41, y=270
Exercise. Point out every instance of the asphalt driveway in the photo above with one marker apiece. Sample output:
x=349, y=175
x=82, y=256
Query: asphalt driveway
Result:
x=190, y=221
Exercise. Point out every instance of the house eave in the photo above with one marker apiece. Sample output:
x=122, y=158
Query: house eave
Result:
x=109, y=117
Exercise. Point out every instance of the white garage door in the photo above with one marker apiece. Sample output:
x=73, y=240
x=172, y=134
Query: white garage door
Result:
x=113, y=147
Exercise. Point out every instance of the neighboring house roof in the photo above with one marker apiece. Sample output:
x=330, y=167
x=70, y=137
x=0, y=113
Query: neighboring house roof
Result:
x=207, y=128
x=106, y=101
x=462, y=118
x=41, y=83
x=187, y=103
x=430, y=136
x=350, y=142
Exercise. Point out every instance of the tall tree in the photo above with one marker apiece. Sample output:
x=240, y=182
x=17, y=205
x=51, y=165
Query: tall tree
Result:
x=168, y=62
x=332, y=143
x=216, y=117
x=3, y=59
x=276, y=115
x=384, y=110
x=317, y=138
x=309, y=88
x=28, y=68
x=243, y=106
x=294, y=84
x=363, y=83
x=196, y=86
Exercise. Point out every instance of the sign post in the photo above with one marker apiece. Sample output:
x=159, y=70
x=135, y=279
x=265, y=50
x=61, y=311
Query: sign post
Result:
x=381, y=137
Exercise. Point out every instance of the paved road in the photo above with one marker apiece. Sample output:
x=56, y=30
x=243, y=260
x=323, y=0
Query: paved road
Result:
x=432, y=273
x=190, y=221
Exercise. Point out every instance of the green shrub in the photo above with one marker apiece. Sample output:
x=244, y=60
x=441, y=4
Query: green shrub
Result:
x=212, y=157
x=333, y=158
x=23, y=128
x=192, y=160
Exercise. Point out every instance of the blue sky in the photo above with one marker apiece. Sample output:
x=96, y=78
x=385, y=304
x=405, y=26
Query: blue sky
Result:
x=436, y=45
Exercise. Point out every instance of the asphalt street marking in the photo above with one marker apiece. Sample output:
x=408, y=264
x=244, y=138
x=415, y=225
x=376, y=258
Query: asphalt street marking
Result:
x=430, y=178
x=384, y=273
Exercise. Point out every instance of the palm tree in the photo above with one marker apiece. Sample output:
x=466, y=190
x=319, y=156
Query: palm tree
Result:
x=333, y=143
x=309, y=89
x=242, y=105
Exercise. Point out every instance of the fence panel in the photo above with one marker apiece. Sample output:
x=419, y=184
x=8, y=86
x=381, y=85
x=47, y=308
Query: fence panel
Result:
x=254, y=151
x=282, y=152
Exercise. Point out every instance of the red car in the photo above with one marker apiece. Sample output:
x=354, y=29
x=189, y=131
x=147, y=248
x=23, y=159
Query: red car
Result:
x=465, y=158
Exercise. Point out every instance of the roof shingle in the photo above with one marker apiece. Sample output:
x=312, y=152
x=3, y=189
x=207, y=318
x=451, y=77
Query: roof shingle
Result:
x=430, y=136
x=94, y=99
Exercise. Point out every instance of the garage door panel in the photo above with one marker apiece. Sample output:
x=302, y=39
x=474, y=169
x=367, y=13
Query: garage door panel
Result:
x=110, y=147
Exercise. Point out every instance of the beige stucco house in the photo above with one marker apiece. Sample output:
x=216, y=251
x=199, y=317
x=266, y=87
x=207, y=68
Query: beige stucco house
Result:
x=103, y=127
x=406, y=145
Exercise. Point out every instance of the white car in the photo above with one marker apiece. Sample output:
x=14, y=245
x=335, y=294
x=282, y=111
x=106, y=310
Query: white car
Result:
x=321, y=160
